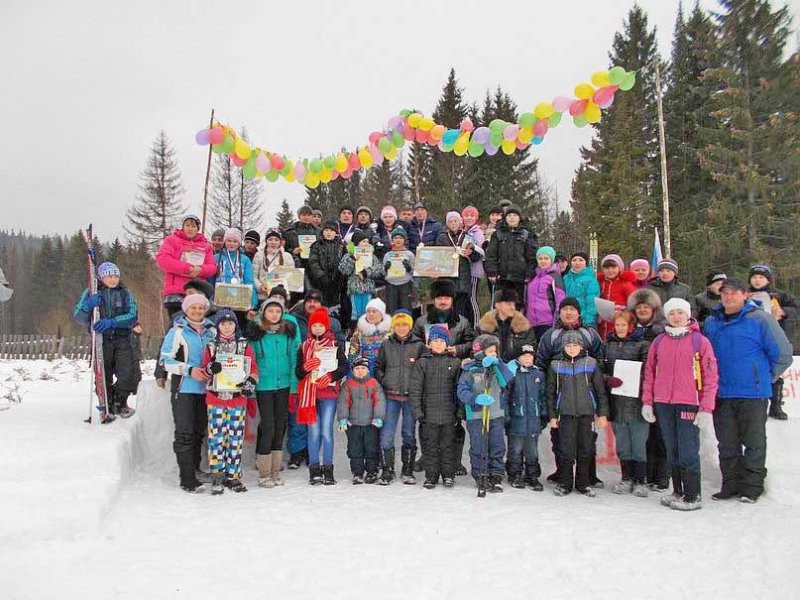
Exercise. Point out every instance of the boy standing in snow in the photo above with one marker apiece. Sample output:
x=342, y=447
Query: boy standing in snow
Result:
x=117, y=317
x=575, y=395
x=482, y=389
x=398, y=264
x=361, y=410
x=226, y=406
x=526, y=408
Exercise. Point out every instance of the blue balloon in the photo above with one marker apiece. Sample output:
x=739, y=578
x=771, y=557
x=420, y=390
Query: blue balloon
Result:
x=537, y=140
x=450, y=136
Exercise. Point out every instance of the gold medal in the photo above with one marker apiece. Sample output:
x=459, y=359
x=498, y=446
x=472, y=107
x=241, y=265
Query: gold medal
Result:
x=420, y=245
x=455, y=254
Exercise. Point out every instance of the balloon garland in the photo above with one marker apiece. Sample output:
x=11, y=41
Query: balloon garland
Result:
x=408, y=126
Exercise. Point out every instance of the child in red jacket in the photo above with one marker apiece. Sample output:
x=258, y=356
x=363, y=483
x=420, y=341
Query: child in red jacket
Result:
x=680, y=382
x=616, y=284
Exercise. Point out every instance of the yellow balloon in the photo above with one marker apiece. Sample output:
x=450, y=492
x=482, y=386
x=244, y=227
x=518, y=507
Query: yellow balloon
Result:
x=543, y=110
x=325, y=175
x=241, y=148
x=414, y=119
x=365, y=158
x=600, y=79
x=312, y=180
x=290, y=176
x=341, y=163
x=525, y=135
x=592, y=112
x=584, y=91
x=462, y=144
x=391, y=154
x=508, y=147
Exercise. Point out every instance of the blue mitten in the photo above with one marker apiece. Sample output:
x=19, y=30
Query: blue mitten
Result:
x=343, y=424
x=94, y=301
x=489, y=361
x=377, y=423
x=484, y=399
x=104, y=325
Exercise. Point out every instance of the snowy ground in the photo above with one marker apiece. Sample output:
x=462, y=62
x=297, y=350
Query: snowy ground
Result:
x=95, y=512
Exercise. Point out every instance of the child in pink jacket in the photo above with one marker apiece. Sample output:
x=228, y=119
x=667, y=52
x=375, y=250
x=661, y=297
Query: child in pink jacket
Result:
x=680, y=382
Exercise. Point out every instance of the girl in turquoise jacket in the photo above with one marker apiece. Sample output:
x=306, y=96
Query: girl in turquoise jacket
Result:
x=580, y=282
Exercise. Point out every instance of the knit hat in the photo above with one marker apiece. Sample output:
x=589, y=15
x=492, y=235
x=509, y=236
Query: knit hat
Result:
x=547, y=251
x=506, y=294
x=677, y=304
x=279, y=292
x=667, y=263
x=470, y=210
x=378, y=305
x=194, y=218
x=321, y=317
x=344, y=208
x=218, y=233
x=225, y=314
x=201, y=285
x=732, y=283
x=273, y=233
x=331, y=224
x=570, y=301
x=419, y=204
x=365, y=209
x=614, y=258
x=193, y=299
x=389, y=210
x=583, y=255
x=504, y=203
x=760, y=270
x=443, y=288
x=560, y=256
x=573, y=337
x=232, y=234
x=513, y=208
x=317, y=213
x=484, y=341
x=253, y=236
x=402, y=316
x=715, y=275
x=274, y=301
x=399, y=232
x=639, y=262
x=107, y=269
x=305, y=210
x=527, y=349
x=453, y=214
x=361, y=361
x=312, y=294
x=439, y=332
x=496, y=210
x=357, y=236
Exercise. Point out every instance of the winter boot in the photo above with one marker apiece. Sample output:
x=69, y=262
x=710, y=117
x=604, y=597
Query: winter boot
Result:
x=235, y=485
x=638, y=473
x=264, y=466
x=496, y=482
x=516, y=480
x=561, y=490
x=625, y=485
x=587, y=491
x=554, y=477
x=189, y=482
x=387, y=474
x=691, y=492
x=315, y=475
x=776, y=402
x=122, y=410
x=407, y=454
x=295, y=460
x=357, y=479
x=725, y=494
x=277, y=460
x=327, y=475
x=677, y=489
x=216, y=484
x=534, y=483
x=448, y=482
x=593, y=480
x=430, y=482
x=419, y=465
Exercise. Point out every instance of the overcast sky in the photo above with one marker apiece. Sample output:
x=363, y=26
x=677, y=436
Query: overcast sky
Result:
x=88, y=85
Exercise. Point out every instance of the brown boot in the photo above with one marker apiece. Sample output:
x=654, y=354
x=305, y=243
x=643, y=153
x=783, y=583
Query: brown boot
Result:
x=264, y=465
x=277, y=457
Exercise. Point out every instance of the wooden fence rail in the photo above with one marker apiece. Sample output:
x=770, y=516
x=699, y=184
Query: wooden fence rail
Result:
x=51, y=347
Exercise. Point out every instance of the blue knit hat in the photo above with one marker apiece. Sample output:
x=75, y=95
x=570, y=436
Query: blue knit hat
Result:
x=225, y=314
x=107, y=269
x=438, y=332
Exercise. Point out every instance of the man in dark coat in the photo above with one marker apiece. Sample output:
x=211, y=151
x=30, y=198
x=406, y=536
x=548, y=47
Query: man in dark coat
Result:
x=509, y=325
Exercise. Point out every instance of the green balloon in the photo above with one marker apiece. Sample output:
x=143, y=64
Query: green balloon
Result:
x=616, y=75
x=397, y=139
x=272, y=175
x=554, y=119
x=447, y=147
x=580, y=121
x=628, y=82
x=405, y=112
x=497, y=125
x=329, y=162
x=384, y=144
x=527, y=119
x=217, y=148
x=286, y=168
x=315, y=166
x=249, y=169
x=227, y=144
x=475, y=149
x=496, y=138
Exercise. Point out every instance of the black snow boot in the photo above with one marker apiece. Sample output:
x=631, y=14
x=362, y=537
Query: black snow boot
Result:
x=407, y=454
x=327, y=475
x=496, y=481
x=315, y=475
x=188, y=479
x=593, y=479
x=387, y=473
x=776, y=402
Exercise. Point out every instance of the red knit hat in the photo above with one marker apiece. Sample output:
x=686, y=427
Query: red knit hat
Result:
x=320, y=316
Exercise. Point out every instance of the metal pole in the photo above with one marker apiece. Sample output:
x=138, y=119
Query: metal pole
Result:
x=208, y=172
x=663, y=148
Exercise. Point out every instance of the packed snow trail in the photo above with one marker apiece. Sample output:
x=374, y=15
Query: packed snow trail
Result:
x=400, y=541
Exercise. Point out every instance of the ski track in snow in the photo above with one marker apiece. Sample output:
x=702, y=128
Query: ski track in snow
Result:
x=151, y=540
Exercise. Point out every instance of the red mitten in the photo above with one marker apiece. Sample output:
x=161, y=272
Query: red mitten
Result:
x=292, y=403
x=613, y=382
x=252, y=408
x=311, y=364
x=324, y=381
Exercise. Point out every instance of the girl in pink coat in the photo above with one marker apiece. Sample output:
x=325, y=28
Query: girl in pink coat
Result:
x=184, y=254
x=680, y=382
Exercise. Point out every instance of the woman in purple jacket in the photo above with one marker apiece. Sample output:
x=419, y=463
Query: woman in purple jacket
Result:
x=545, y=292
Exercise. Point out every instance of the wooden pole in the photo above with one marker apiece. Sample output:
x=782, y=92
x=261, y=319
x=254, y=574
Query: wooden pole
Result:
x=664, y=181
x=208, y=173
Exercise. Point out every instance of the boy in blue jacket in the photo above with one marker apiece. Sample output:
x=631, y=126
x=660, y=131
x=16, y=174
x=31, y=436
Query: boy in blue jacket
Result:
x=118, y=315
x=526, y=409
x=482, y=389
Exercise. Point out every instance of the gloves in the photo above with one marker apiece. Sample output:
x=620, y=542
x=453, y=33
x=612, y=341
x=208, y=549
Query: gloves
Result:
x=252, y=408
x=613, y=382
x=343, y=424
x=248, y=386
x=648, y=414
x=377, y=423
x=94, y=301
x=484, y=399
x=214, y=367
x=488, y=361
x=703, y=419
x=104, y=325
x=407, y=265
x=387, y=266
x=324, y=381
x=311, y=364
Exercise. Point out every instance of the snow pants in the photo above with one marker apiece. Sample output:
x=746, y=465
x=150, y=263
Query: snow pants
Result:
x=362, y=449
x=483, y=462
x=439, y=449
x=740, y=425
x=398, y=296
x=226, y=439
x=191, y=421
x=118, y=362
x=273, y=406
x=576, y=443
x=523, y=449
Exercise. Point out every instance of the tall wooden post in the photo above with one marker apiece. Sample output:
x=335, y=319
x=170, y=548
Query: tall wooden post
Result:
x=664, y=177
x=208, y=173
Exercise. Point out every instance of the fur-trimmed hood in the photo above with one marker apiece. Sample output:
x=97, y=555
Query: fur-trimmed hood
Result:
x=366, y=328
x=519, y=323
x=647, y=296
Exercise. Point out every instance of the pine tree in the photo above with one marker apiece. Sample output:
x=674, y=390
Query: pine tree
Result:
x=417, y=172
x=616, y=190
x=285, y=216
x=383, y=185
x=234, y=201
x=159, y=204
x=115, y=251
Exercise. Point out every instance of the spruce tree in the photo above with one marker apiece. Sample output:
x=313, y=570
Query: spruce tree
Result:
x=234, y=201
x=159, y=205
x=383, y=185
x=285, y=216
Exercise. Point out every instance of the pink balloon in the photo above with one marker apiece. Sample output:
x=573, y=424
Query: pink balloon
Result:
x=432, y=142
x=353, y=164
x=377, y=155
x=421, y=136
x=374, y=137
x=277, y=162
x=239, y=162
x=202, y=137
x=602, y=95
x=299, y=171
x=561, y=103
x=408, y=133
x=466, y=125
x=334, y=174
x=520, y=145
x=607, y=103
x=511, y=132
x=577, y=107
x=262, y=162
x=348, y=173
x=540, y=127
x=216, y=135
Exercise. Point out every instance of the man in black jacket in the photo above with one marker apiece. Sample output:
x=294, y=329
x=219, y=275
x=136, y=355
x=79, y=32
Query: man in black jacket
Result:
x=302, y=227
x=509, y=325
x=511, y=254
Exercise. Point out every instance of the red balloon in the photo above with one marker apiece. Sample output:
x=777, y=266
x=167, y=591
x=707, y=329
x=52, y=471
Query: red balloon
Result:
x=348, y=173
x=408, y=133
x=577, y=107
x=277, y=162
x=239, y=162
x=421, y=136
x=216, y=135
x=374, y=137
x=353, y=163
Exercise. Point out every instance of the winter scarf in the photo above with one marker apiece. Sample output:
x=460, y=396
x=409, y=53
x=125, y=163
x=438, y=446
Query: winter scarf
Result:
x=307, y=389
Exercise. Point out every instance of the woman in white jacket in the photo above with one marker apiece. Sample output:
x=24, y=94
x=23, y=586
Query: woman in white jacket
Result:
x=272, y=256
